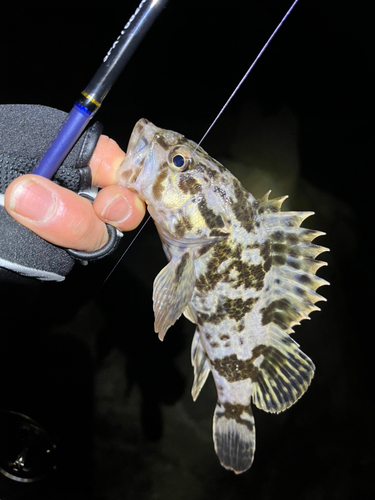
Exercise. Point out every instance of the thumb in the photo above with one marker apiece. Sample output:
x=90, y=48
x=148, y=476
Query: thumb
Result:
x=56, y=214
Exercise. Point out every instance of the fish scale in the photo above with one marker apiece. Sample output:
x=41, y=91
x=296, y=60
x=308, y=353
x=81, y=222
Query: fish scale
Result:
x=239, y=268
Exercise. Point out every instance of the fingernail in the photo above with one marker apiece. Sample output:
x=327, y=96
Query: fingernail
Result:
x=117, y=210
x=33, y=201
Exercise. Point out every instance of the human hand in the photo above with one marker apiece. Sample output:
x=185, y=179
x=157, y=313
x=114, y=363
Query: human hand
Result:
x=66, y=219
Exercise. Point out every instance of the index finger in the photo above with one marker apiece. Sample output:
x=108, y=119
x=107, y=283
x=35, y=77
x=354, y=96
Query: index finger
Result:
x=106, y=161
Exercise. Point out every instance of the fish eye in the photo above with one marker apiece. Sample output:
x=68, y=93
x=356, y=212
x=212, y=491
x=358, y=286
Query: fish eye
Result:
x=180, y=160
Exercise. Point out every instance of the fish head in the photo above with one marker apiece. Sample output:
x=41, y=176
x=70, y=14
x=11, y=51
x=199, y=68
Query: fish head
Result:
x=185, y=189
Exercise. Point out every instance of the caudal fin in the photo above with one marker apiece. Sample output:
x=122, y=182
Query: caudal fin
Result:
x=234, y=436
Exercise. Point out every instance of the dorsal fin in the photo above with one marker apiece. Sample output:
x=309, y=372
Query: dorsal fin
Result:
x=290, y=265
x=283, y=372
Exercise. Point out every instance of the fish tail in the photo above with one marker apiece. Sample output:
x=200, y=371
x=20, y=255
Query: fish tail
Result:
x=234, y=436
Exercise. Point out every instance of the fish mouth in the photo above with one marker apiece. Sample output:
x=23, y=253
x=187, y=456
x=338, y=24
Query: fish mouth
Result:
x=137, y=151
x=148, y=146
x=142, y=136
x=137, y=140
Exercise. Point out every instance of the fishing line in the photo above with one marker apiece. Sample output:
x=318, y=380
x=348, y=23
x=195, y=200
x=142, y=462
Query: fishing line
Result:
x=218, y=115
x=123, y=255
x=247, y=73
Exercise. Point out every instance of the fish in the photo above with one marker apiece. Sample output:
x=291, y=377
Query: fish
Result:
x=240, y=269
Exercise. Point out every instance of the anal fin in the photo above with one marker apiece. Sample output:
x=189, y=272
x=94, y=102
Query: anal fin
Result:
x=201, y=365
x=234, y=436
x=190, y=314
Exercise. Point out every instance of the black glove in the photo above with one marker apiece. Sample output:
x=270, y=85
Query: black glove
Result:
x=26, y=131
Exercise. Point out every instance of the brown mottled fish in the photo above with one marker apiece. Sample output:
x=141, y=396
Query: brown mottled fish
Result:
x=240, y=269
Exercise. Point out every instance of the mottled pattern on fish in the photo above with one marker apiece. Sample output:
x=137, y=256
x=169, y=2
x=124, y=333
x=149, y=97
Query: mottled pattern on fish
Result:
x=240, y=269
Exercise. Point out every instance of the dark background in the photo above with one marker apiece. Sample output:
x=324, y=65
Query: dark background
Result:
x=60, y=341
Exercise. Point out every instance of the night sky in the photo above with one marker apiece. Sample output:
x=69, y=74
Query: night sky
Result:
x=319, y=66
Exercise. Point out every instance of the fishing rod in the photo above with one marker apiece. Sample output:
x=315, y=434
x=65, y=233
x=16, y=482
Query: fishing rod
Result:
x=91, y=98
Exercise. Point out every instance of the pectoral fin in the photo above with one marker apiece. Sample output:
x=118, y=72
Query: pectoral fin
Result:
x=173, y=288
